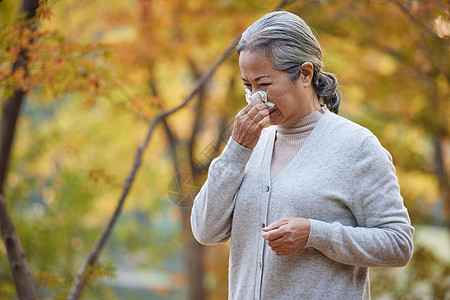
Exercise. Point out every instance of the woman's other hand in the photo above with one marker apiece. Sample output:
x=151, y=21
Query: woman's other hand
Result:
x=249, y=123
x=287, y=236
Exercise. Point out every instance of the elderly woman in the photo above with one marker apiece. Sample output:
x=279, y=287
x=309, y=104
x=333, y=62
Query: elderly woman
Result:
x=310, y=202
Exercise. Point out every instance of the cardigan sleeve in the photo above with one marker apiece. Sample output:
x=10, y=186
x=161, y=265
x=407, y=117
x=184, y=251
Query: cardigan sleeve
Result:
x=384, y=235
x=213, y=206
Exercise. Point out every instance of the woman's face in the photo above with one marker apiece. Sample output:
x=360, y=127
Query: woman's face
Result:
x=293, y=99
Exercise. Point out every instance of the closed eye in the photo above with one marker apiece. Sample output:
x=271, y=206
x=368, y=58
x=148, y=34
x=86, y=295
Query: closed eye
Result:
x=263, y=85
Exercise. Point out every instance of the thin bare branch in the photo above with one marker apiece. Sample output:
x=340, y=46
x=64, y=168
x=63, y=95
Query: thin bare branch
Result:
x=172, y=139
x=197, y=122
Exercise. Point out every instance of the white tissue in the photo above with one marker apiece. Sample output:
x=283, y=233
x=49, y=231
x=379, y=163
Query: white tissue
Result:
x=259, y=94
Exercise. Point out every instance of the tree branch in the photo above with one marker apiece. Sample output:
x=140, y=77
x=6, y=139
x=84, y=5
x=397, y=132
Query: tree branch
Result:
x=172, y=139
x=197, y=122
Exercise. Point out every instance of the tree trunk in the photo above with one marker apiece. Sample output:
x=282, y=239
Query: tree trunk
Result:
x=16, y=256
x=10, y=113
x=11, y=107
x=193, y=252
x=441, y=173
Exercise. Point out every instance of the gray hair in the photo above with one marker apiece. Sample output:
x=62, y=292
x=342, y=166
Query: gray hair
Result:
x=289, y=42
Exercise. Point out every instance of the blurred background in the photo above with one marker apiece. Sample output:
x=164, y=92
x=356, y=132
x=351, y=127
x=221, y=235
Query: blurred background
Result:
x=98, y=72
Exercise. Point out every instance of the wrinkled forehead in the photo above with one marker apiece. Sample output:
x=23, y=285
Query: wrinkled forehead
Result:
x=254, y=61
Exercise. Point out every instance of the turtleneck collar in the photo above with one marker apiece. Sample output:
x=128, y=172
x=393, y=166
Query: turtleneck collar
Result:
x=302, y=125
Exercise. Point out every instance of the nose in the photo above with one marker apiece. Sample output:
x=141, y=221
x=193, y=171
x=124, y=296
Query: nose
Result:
x=254, y=91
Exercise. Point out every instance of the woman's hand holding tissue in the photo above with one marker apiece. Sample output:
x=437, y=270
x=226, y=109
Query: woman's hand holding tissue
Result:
x=250, y=121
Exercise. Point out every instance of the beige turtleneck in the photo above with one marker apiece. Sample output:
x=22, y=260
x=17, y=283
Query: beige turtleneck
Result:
x=289, y=139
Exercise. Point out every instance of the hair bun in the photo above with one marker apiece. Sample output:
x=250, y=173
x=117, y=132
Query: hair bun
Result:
x=326, y=88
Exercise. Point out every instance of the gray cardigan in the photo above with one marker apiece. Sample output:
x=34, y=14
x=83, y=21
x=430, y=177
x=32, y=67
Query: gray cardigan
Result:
x=342, y=180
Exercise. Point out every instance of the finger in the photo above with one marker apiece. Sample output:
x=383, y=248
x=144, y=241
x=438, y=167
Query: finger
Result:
x=260, y=105
x=277, y=244
x=256, y=101
x=244, y=111
x=252, y=114
x=273, y=234
x=250, y=105
x=249, y=117
x=249, y=113
x=258, y=109
x=281, y=253
x=253, y=123
x=258, y=121
x=263, y=122
x=275, y=225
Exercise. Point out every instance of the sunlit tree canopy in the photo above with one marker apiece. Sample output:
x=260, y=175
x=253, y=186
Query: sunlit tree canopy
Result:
x=95, y=74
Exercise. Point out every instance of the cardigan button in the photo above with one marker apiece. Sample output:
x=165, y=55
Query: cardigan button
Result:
x=267, y=188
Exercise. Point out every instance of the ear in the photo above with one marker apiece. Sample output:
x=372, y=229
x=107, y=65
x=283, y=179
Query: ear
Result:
x=306, y=74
